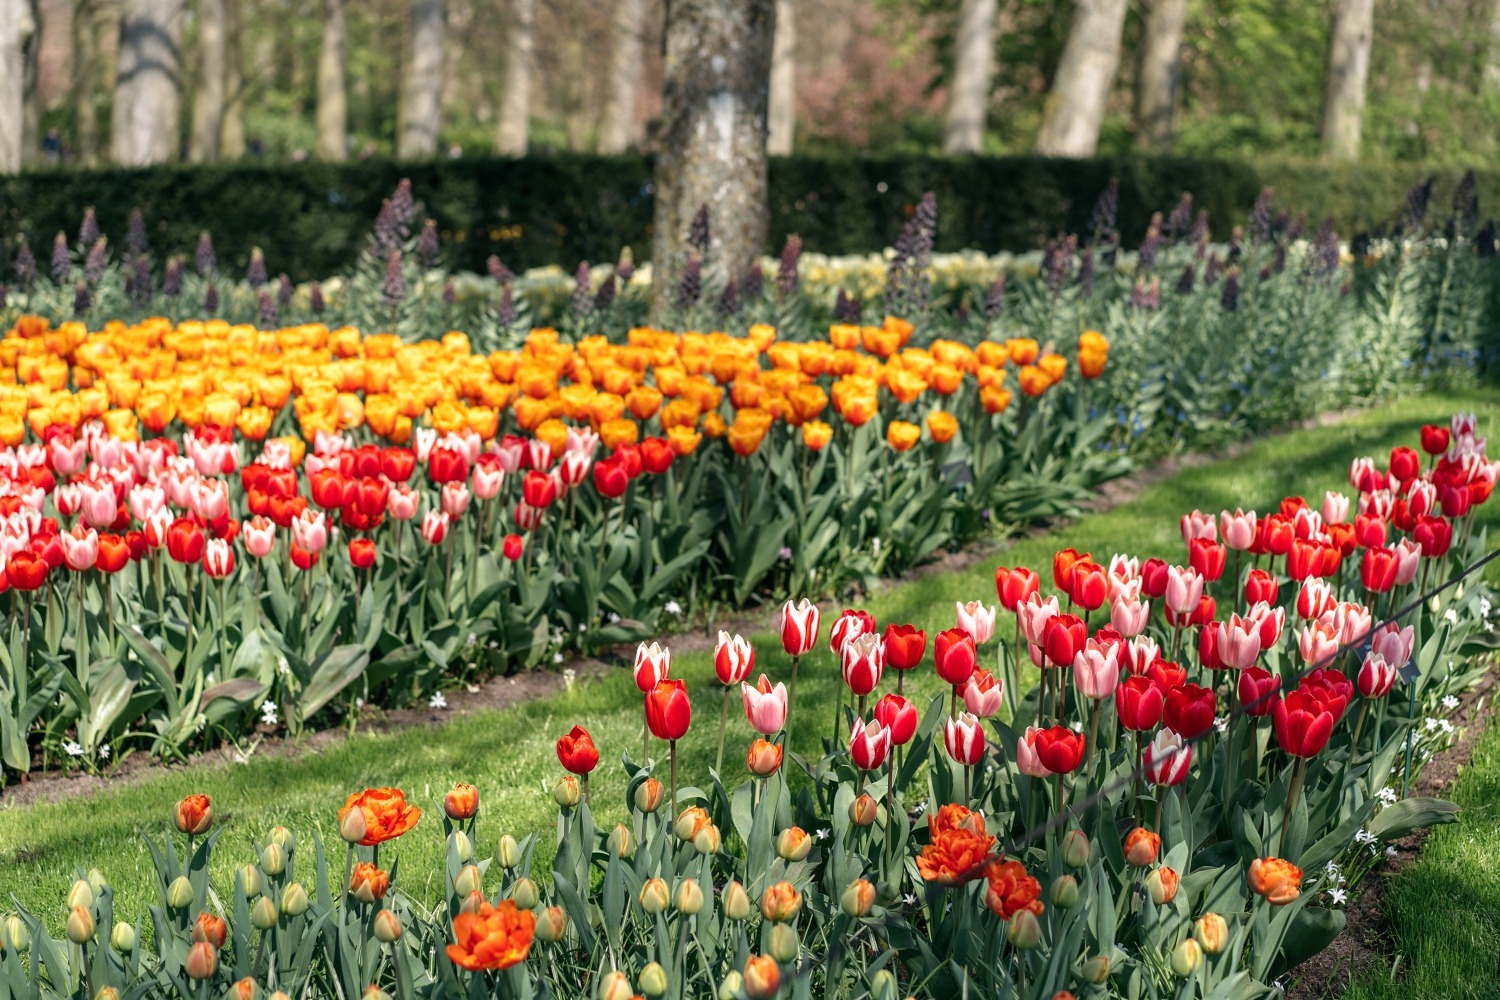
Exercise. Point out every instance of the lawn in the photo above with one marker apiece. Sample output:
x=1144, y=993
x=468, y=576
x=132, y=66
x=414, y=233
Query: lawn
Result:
x=509, y=754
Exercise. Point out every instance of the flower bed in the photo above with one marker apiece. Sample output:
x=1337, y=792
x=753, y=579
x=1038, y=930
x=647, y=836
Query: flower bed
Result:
x=1213, y=748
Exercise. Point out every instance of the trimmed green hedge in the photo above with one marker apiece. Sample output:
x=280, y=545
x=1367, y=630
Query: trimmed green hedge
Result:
x=311, y=218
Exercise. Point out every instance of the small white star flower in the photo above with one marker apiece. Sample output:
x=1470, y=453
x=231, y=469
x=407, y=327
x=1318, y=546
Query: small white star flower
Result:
x=557, y=657
x=1390, y=852
x=1337, y=896
x=72, y=749
x=1450, y=702
x=673, y=608
x=823, y=833
x=268, y=713
x=570, y=677
x=1386, y=795
x=437, y=701
x=104, y=751
x=909, y=899
x=1364, y=837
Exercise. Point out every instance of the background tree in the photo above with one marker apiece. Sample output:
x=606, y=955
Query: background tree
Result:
x=973, y=73
x=422, y=83
x=1075, y=108
x=1159, y=73
x=1349, y=41
x=14, y=18
x=782, y=114
x=208, y=96
x=333, y=100
x=618, y=131
x=711, y=144
x=515, y=103
x=148, y=88
x=232, y=128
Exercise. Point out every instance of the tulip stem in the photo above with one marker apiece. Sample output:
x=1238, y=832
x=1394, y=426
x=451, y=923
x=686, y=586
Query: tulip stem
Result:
x=1093, y=729
x=1298, y=774
x=109, y=609
x=791, y=703
x=82, y=649
x=187, y=648
x=223, y=631
x=890, y=816
x=672, y=745
x=723, y=724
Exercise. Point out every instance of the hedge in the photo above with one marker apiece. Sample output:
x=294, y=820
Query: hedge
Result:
x=311, y=218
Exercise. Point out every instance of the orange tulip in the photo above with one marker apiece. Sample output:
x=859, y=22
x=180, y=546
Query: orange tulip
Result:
x=1141, y=847
x=684, y=440
x=1275, y=880
x=1091, y=363
x=614, y=433
x=945, y=379
x=714, y=425
x=748, y=431
x=461, y=802
x=994, y=398
x=1054, y=365
x=993, y=354
x=494, y=937
x=368, y=883
x=387, y=814
x=1093, y=341
x=902, y=436
x=942, y=425
x=1034, y=381
x=1023, y=350
x=816, y=434
x=195, y=815
x=844, y=336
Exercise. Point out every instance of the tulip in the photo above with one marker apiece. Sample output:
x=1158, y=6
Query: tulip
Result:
x=1207, y=558
x=848, y=627
x=80, y=925
x=764, y=758
x=654, y=895
x=1028, y=760
x=1184, y=589
x=218, y=558
x=1060, y=749
x=613, y=985
x=781, y=902
x=862, y=810
x=1405, y=465
x=1129, y=617
x=1275, y=880
x=905, y=645
x=513, y=547
x=1434, y=535
x=899, y=716
x=869, y=743
x=1161, y=885
x=765, y=706
x=567, y=793
x=736, y=902
x=982, y=694
x=1303, y=724
x=954, y=655
x=508, y=852
x=1435, y=438
x=1155, y=574
x=1076, y=849
x=1197, y=525
x=963, y=738
x=1237, y=529
x=1063, y=638
x=1142, y=847
x=202, y=961
x=80, y=548
x=185, y=541
x=1393, y=643
x=1256, y=690
x=1167, y=759
x=576, y=751
x=648, y=796
x=435, y=526
x=653, y=662
x=1090, y=585
x=1096, y=669
x=1033, y=614
x=1139, y=703
x=552, y=924
x=799, y=627
x=1376, y=676
x=762, y=977
x=858, y=898
x=1014, y=586
x=1062, y=568
x=1239, y=642
x=1318, y=642
x=403, y=502
x=734, y=658
x=1024, y=932
x=1187, y=957
x=863, y=662
x=668, y=710
x=977, y=620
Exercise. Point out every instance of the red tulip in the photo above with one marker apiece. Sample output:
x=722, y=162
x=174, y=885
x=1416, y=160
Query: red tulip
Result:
x=1207, y=557
x=185, y=541
x=799, y=627
x=396, y=464
x=955, y=655
x=1455, y=501
x=1063, y=637
x=1369, y=531
x=1208, y=646
x=362, y=553
x=302, y=558
x=610, y=478
x=1139, y=703
x=1260, y=586
x=370, y=496
x=1434, y=534
x=1189, y=710
x=538, y=489
x=1276, y=535
x=329, y=489
x=1015, y=585
x=1331, y=688
x=576, y=751
x=1303, y=725
x=1377, y=569
x=114, y=553
x=1256, y=690
x=1435, y=438
x=899, y=716
x=869, y=743
x=905, y=645
x=656, y=455
x=668, y=710
x=1166, y=675
x=1090, y=585
x=513, y=547
x=1060, y=749
x=1304, y=559
x=1154, y=578
x=26, y=570
x=1406, y=464
x=1062, y=569
x=444, y=465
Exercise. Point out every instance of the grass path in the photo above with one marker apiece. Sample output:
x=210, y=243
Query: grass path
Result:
x=509, y=754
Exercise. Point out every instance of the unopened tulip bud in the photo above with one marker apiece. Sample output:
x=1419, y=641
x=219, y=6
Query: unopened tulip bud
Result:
x=524, y=892
x=467, y=880
x=1024, y=932
x=82, y=894
x=1187, y=957
x=689, y=897
x=461, y=802
x=621, y=842
x=782, y=943
x=732, y=986
x=80, y=925
x=97, y=881
x=373, y=992
x=1064, y=995
x=736, y=902
x=14, y=935
x=793, y=844
x=655, y=895
x=1076, y=849
x=473, y=902
x=251, y=880
x=1211, y=931
x=278, y=995
x=708, y=841
x=245, y=989
x=263, y=914
x=283, y=838
x=1095, y=970
x=273, y=859
x=883, y=986
x=353, y=826
x=1141, y=847
x=122, y=937
x=857, y=899
x=107, y=993
x=649, y=795
x=180, y=893
x=294, y=900
x=552, y=924
x=387, y=927
x=862, y=810
x=202, y=961
x=1161, y=885
x=508, y=853
x=614, y=986
x=762, y=977
x=567, y=792
x=653, y=980
x=1064, y=892
x=463, y=848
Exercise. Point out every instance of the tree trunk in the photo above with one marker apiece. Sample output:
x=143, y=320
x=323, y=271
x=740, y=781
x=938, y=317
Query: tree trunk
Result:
x=782, y=120
x=13, y=17
x=333, y=99
x=515, y=102
x=1075, y=107
x=232, y=129
x=31, y=100
x=422, y=86
x=86, y=81
x=1348, y=66
x=618, y=131
x=208, y=102
x=712, y=138
x=1159, y=74
x=973, y=70
x=146, y=124
x=1492, y=50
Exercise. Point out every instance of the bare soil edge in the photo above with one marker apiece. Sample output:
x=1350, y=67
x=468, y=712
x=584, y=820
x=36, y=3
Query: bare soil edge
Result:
x=57, y=785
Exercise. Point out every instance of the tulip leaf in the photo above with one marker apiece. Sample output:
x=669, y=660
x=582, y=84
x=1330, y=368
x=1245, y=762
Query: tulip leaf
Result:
x=1396, y=821
x=331, y=673
x=1311, y=930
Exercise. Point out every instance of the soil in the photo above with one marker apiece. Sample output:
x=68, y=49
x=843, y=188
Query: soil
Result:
x=1365, y=948
x=502, y=692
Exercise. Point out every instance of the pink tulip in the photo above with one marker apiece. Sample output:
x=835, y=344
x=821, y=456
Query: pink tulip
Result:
x=869, y=744
x=1335, y=508
x=1238, y=529
x=455, y=499
x=1378, y=503
x=1129, y=617
x=582, y=441
x=1361, y=470
x=67, y=455
x=1137, y=655
x=100, y=508
x=765, y=706
x=1124, y=577
x=510, y=452
x=434, y=527
x=1167, y=759
x=963, y=737
x=1269, y=622
x=1314, y=599
x=863, y=662
x=1198, y=525
x=539, y=454
x=80, y=548
x=68, y=499
x=1376, y=676
x=259, y=534
x=145, y=499
x=1096, y=669
x=1408, y=559
x=653, y=662
x=209, y=499
x=1034, y=613
x=423, y=440
x=1307, y=523
x=155, y=527
x=1027, y=760
x=403, y=502
x=218, y=558
x=1184, y=589
x=487, y=481
x=1239, y=643
x=977, y=620
x=983, y=694
x=1393, y=643
x=310, y=530
x=1317, y=642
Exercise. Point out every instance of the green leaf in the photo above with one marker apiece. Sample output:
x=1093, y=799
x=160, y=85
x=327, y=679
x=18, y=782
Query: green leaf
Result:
x=1396, y=821
x=331, y=673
